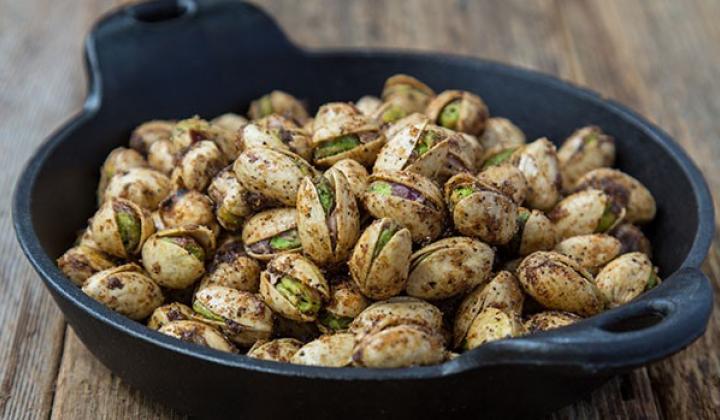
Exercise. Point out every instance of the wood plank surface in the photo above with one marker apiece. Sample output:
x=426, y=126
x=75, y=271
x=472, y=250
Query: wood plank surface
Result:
x=661, y=57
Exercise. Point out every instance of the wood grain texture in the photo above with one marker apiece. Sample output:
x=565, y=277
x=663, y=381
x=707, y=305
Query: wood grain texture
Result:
x=661, y=57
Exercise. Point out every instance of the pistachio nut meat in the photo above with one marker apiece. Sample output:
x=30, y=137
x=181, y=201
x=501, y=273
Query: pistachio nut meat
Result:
x=161, y=156
x=186, y=207
x=508, y=179
x=626, y=277
x=125, y=289
x=81, y=261
x=492, y=324
x=421, y=148
x=328, y=220
x=586, y=149
x=198, y=165
x=624, y=190
x=275, y=174
x=175, y=257
x=271, y=233
x=280, y=103
x=148, y=133
x=558, y=282
x=398, y=346
x=333, y=350
x=590, y=251
x=449, y=267
x=241, y=316
x=460, y=111
x=549, y=320
x=229, y=121
x=355, y=173
x=368, y=104
x=232, y=206
x=409, y=197
x=168, y=313
x=277, y=132
x=500, y=134
x=479, y=209
x=294, y=287
x=198, y=333
x=381, y=259
x=119, y=160
x=394, y=311
x=407, y=93
x=278, y=350
x=190, y=131
x=585, y=212
x=632, y=239
x=539, y=163
x=144, y=186
x=346, y=302
x=120, y=227
x=232, y=267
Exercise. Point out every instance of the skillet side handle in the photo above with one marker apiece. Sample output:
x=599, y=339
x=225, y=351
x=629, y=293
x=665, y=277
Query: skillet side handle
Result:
x=164, y=50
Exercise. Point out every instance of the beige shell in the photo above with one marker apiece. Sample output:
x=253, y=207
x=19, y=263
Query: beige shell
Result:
x=327, y=239
x=278, y=350
x=368, y=104
x=105, y=231
x=170, y=264
x=171, y=312
x=394, y=311
x=125, y=289
x=537, y=233
x=586, y=149
x=230, y=142
x=229, y=121
x=275, y=174
x=413, y=119
x=581, y=213
x=198, y=165
x=346, y=302
x=144, y=186
x=338, y=119
x=232, y=267
x=590, y=251
x=190, y=131
x=492, y=324
x=355, y=173
x=464, y=155
x=500, y=134
x=198, y=333
x=80, y=262
x=231, y=204
x=398, y=346
x=241, y=316
x=399, y=153
x=119, y=160
x=508, y=179
x=187, y=207
x=148, y=133
x=425, y=220
x=263, y=226
x=625, y=191
x=626, y=277
x=300, y=269
x=558, y=282
x=549, y=320
x=539, y=164
x=277, y=132
x=328, y=350
x=162, y=155
x=280, y=103
x=632, y=239
x=449, y=267
x=407, y=93
x=473, y=112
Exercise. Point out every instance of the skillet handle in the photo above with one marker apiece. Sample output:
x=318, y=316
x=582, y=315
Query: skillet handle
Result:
x=165, y=50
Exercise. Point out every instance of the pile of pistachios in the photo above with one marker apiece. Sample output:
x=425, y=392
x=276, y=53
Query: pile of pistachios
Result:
x=390, y=232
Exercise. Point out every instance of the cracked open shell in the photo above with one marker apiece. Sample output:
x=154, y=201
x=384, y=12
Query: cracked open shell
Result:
x=175, y=257
x=186, y=207
x=328, y=218
x=144, y=186
x=421, y=148
x=346, y=302
x=198, y=333
x=119, y=160
x=294, y=287
x=479, y=209
x=280, y=103
x=278, y=350
x=341, y=131
x=398, y=346
x=355, y=173
x=394, y=311
x=232, y=267
x=275, y=174
x=241, y=316
x=147, y=133
x=586, y=149
x=449, y=267
x=190, y=131
x=81, y=261
x=171, y=312
x=409, y=197
x=464, y=155
x=508, y=179
x=559, y=282
x=126, y=289
x=459, y=110
x=492, y=324
x=120, y=227
x=381, y=259
x=277, y=132
x=626, y=277
x=415, y=118
x=535, y=233
x=407, y=93
x=624, y=190
x=585, y=212
x=590, y=251
x=231, y=204
x=271, y=233
x=539, y=164
x=549, y=320
x=328, y=350
x=198, y=165
x=500, y=134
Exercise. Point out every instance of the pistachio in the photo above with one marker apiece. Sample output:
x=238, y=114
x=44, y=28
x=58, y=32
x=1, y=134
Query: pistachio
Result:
x=231, y=203
x=539, y=164
x=407, y=94
x=271, y=233
x=625, y=277
x=368, y=104
x=549, y=320
x=190, y=131
x=464, y=155
x=492, y=324
x=355, y=173
x=229, y=121
x=125, y=289
x=119, y=160
x=143, y=186
x=198, y=165
x=232, y=267
x=175, y=257
x=421, y=148
x=346, y=302
x=535, y=233
x=278, y=350
x=341, y=131
x=198, y=333
x=161, y=156
x=148, y=133
x=82, y=261
x=624, y=190
x=460, y=111
x=120, y=227
x=585, y=212
x=294, y=287
x=508, y=180
x=586, y=149
x=230, y=142
x=186, y=207
x=280, y=103
x=500, y=134
x=329, y=350
x=632, y=239
x=395, y=311
x=277, y=132
x=166, y=314
x=397, y=346
x=590, y=251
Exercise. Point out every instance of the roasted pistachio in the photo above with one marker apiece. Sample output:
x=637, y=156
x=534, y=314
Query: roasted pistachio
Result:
x=549, y=320
x=146, y=134
x=409, y=197
x=277, y=132
x=271, y=233
x=280, y=103
x=460, y=111
x=535, y=233
x=119, y=160
x=241, y=316
x=449, y=267
x=397, y=346
x=162, y=155
x=479, y=209
x=186, y=207
x=395, y=311
x=368, y=104
x=341, y=131
x=421, y=148
x=294, y=287
x=586, y=149
x=406, y=95
x=329, y=350
x=625, y=277
x=190, y=131
x=230, y=121
x=231, y=200
x=380, y=261
x=632, y=239
x=171, y=312
x=144, y=186
x=198, y=165
x=539, y=164
x=559, y=282
x=590, y=251
x=120, y=227
x=230, y=142
x=585, y=212
x=355, y=173
x=125, y=289
x=492, y=324
x=198, y=333
x=508, y=179
x=624, y=190
x=464, y=155
x=82, y=261
x=413, y=119
x=346, y=302
x=278, y=350
x=232, y=267
x=500, y=134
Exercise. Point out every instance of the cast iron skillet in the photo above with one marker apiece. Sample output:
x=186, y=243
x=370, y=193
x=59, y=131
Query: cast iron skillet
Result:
x=171, y=59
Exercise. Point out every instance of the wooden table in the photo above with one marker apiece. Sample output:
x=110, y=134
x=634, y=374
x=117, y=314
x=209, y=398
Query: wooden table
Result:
x=661, y=57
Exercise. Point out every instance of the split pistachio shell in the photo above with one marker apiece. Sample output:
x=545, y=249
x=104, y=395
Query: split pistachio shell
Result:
x=232, y=267
x=368, y=104
x=459, y=110
x=198, y=165
x=278, y=350
x=82, y=261
x=186, y=207
x=500, y=134
x=586, y=149
x=464, y=155
x=355, y=173
x=394, y=311
x=161, y=156
x=407, y=95
x=119, y=160
x=413, y=119
x=198, y=333
x=626, y=277
x=508, y=179
x=624, y=190
x=230, y=121
x=478, y=209
x=398, y=346
x=559, y=282
x=277, y=132
x=409, y=197
x=271, y=233
x=632, y=239
x=502, y=292
x=275, y=174
x=380, y=261
x=535, y=232
x=549, y=320
x=492, y=324
x=590, y=251
x=449, y=267
x=341, y=131
x=231, y=203
x=421, y=148
x=241, y=316
x=280, y=103
x=329, y=350
x=144, y=186
x=328, y=218
x=169, y=313
x=230, y=142
x=585, y=212
x=125, y=289
x=120, y=227
x=190, y=131
x=175, y=257
x=146, y=134
x=539, y=164
x=294, y=287
x=346, y=302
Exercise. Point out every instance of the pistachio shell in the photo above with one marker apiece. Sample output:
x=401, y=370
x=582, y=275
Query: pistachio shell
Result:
x=198, y=165
x=187, y=207
x=407, y=92
x=586, y=149
x=413, y=119
x=537, y=233
x=106, y=231
x=626, y=277
x=368, y=104
x=585, y=212
x=549, y=320
x=166, y=314
x=280, y=103
x=590, y=251
x=394, y=311
x=198, y=333
x=230, y=142
x=464, y=155
x=190, y=131
x=355, y=173
x=232, y=267
x=399, y=346
x=492, y=324
x=148, y=133
x=328, y=350
x=278, y=350
x=539, y=164
x=261, y=228
x=144, y=186
x=346, y=302
x=161, y=156
x=118, y=161
x=277, y=132
x=338, y=120
x=469, y=116
x=508, y=179
x=632, y=239
x=500, y=134
x=231, y=200
x=125, y=289
x=229, y=121
x=80, y=262
x=407, y=150
x=624, y=190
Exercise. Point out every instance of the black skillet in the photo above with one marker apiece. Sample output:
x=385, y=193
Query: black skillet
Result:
x=171, y=59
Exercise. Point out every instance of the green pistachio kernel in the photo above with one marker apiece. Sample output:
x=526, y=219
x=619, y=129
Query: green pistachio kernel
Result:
x=203, y=311
x=590, y=139
x=266, y=107
x=393, y=114
x=460, y=192
x=652, y=280
x=607, y=220
x=286, y=240
x=300, y=296
x=129, y=228
x=338, y=145
x=325, y=194
x=382, y=188
x=383, y=239
x=450, y=115
x=334, y=322
x=498, y=157
x=426, y=142
x=189, y=244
